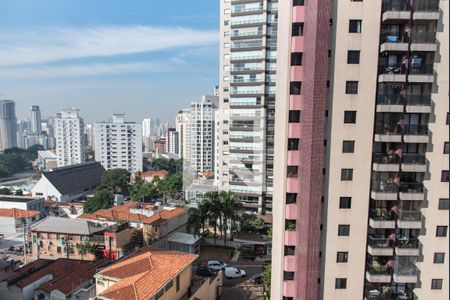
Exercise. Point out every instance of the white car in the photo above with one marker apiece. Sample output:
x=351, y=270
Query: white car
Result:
x=232, y=272
x=216, y=265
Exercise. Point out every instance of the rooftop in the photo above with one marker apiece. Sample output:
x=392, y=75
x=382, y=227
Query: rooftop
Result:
x=23, y=199
x=76, y=178
x=160, y=173
x=47, y=154
x=18, y=213
x=66, y=226
x=142, y=274
x=183, y=238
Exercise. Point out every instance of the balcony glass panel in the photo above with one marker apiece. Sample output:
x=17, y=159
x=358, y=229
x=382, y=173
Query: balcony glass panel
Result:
x=396, y=5
x=426, y=5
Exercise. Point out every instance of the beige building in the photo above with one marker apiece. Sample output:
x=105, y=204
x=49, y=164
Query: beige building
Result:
x=361, y=168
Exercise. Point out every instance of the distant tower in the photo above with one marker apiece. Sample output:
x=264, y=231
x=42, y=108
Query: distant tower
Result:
x=8, y=124
x=69, y=131
x=36, y=126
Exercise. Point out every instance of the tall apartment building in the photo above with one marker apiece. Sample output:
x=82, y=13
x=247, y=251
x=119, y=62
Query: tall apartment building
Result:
x=172, y=141
x=361, y=167
x=118, y=144
x=181, y=125
x=69, y=135
x=36, y=126
x=200, y=135
x=247, y=91
x=8, y=124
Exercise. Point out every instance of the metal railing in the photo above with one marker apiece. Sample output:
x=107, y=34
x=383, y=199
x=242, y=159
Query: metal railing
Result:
x=416, y=129
x=241, y=34
x=244, y=10
x=384, y=186
x=384, y=158
x=423, y=37
x=411, y=187
x=376, y=268
x=379, y=242
x=396, y=5
x=390, y=99
x=414, y=159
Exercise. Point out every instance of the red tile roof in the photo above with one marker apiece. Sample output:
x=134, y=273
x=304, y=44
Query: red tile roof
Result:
x=141, y=275
x=17, y=213
x=160, y=173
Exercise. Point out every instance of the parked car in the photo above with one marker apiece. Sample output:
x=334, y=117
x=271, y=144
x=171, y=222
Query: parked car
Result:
x=256, y=279
x=216, y=265
x=232, y=272
x=204, y=272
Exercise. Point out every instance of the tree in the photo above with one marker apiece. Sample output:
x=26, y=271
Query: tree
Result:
x=86, y=248
x=194, y=222
x=34, y=149
x=137, y=238
x=215, y=211
x=116, y=181
x=18, y=192
x=5, y=191
x=266, y=275
x=231, y=210
x=140, y=189
x=101, y=199
x=251, y=223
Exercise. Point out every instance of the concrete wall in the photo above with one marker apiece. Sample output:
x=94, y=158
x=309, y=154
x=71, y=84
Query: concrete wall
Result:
x=7, y=225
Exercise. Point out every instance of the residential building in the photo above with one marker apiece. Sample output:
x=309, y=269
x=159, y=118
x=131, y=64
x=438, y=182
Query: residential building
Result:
x=47, y=160
x=55, y=237
x=89, y=135
x=184, y=242
x=69, y=130
x=69, y=183
x=8, y=124
x=148, y=176
x=181, y=126
x=36, y=126
x=118, y=144
x=15, y=220
x=159, y=146
x=172, y=141
x=22, y=202
x=247, y=91
x=72, y=209
x=150, y=273
x=361, y=167
x=51, y=279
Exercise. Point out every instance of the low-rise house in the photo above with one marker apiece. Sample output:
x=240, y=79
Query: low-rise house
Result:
x=149, y=273
x=70, y=183
x=47, y=160
x=51, y=279
x=184, y=242
x=14, y=220
x=22, y=202
x=55, y=237
x=148, y=176
x=72, y=209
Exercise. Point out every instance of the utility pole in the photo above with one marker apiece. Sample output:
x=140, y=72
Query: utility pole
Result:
x=25, y=234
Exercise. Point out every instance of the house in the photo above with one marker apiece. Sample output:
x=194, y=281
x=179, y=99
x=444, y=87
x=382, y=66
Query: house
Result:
x=184, y=242
x=47, y=160
x=22, y=202
x=150, y=273
x=14, y=220
x=72, y=209
x=55, y=237
x=156, y=221
x=51, y=279
x=148, y=176
x=70, y=183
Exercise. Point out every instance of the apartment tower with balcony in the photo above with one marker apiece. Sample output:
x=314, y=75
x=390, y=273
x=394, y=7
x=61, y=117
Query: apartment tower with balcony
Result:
x=247, y=99
x=361, y=176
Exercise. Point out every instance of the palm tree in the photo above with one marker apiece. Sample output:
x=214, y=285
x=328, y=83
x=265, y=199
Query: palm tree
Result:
x=215, y=211
x=231, y=209
x=86, y=248
x=194, y=222
x=204, y=209
x=139, y=189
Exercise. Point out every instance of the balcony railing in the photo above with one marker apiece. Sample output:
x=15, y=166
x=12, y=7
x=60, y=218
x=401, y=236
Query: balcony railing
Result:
x=394, y=37
x=246, y=80
x=425, y=69
x=388, y=128
x=418, y=99
x=381, y=214
x=245, y=10
x=409, y=215
x=241, y=69
x=390, y=99
x=407, y=243
x=396, y=5
x=384, y=186
x=241, y=34
x=376, y=268
x=424, y=37
x=387, y=294
x=413, y=158
x=246, y=45
x=391, y=69
x=383, y=158
x=244, y=22
x=411, y=187
x=416, y=129
x=426, y=5
x=379, y=242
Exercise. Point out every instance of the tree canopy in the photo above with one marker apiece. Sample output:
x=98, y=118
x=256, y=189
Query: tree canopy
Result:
x=172, y=166
x=116, y=181
x=16, y=159
x=102, y=198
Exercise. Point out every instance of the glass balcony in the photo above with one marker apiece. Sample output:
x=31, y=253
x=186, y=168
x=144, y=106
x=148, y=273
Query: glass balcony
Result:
x=380, y=246
x=416, y=129
x=246, y=45
x=237, y=10
x=418, y=100
x=396, y=5
x=383, y=162
x=381, y=218
x=426, y=5
x=386, y=293
x=405, y=270
x=407, y=246
x=384, y=190
x=423, y=37
x=413, y=162
x=409, y=219
x=377, y=272
x=246, y=34
x=385, y=99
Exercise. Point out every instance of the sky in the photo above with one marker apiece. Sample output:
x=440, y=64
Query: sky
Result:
x=145, y=58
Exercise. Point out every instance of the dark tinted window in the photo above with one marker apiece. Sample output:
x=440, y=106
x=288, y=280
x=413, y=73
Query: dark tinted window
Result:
x=345, y=202
x=294, y=116
x=296, y=58
x=355, y=26
x=296, y=88
x=344, y=230
x=348, y=146
x=350, y=117
x=353, y=56
x=351, y=87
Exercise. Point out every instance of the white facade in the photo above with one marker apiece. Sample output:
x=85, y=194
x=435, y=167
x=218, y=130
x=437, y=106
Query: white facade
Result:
x=181, y=126
x=69, y=129
x=118, y=144
x=173, y=140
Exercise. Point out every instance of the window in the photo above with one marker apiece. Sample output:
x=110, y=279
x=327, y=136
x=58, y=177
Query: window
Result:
x=288, y=276
x=291, y=198
x=444, y=176
x=342, y=257
x=289, y=250
x=169, y=285
x=351, y=87
x=346, y=174
x=348, y=146
x=341, y=283
x=297, y=29
x=439, y=257
x=444, y=204
x=436, y=284
x=441, y=231
x=353, y=56
x=296, y=58
x=446, y=148
x=159, y=294
x=296, y=87
x=292, y=171
x=355, y=26
x=177, y=281
x=293, y=144
x=350, y=117
x=343, y=230
x=294, y=116
x=345, y=202
x=299, y=2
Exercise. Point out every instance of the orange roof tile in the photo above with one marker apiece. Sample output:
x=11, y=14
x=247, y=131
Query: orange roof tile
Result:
x=17, y=213
x=142, y=274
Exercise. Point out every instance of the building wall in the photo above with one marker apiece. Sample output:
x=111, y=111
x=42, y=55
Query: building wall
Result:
x=7, y=225
x=69, y=132
x=37, y=204
x=8, y=124
x=185, y=283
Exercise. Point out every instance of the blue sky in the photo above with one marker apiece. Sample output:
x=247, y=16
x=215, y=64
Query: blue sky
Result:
x=141, y=57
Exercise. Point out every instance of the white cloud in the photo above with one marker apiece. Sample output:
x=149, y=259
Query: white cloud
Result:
x=56, y=44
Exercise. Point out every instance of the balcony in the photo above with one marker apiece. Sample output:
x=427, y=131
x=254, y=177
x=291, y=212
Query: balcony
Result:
x=388, y=133
x=381, y=218
x=421, y=74
x=416, y=134
x=380, y=246
x=236, y=35
x=393, y=41
x=411, y=191
x=383, y=162
x=384, y=190
x=409, y=219
x=237, y=23
x=246, y=46
x=396, y=10
x=418, y=103
x=407, y=247
x=391, y=73
x=377, y=293
x=377, y=273
x=405, y=273
x=423, y=42
x=290, y=238
x=413, y=163
x=390, y=103
x=426, y=10
x=245, y=10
